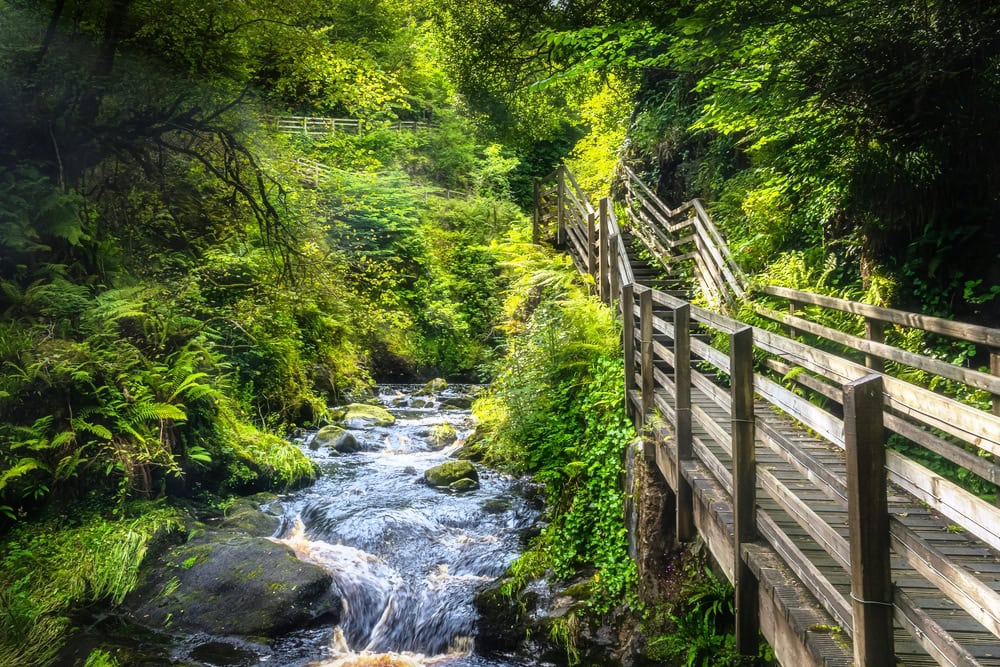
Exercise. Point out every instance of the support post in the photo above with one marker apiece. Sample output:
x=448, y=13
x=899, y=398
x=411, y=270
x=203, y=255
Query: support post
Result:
x=561, y=209
x=792, y=331
x=744, y=488
x=536, y=217
x=605, y=252
x=628, y=341
x=684, y=527
x=591, y=249
x=646, y=350
x=868, y=522
x=995, y=370
x=615, y=278
x=875, y=332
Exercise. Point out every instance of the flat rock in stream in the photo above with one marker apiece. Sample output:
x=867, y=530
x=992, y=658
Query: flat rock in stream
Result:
x=226, y=584
x=362, y=415
x=450, y=472
x=337, y=439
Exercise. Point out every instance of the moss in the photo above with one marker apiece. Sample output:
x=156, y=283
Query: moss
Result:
x=362, y=413
x=450, y=472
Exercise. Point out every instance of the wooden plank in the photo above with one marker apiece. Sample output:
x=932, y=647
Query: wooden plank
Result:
x=970, y=512
x=592, y=247
x=826, y=537
x=682, y=427
x=800, y=409
x=739, y=276
x=561, y=207
x=711, y=355
x=604, y=252
x=744, y=488
x=970, y=593
x=874, y=348
x=984, y=467
x=810, y=575
x=968, y=332
x=929, y=634
x=628, y=334
x=868, y=521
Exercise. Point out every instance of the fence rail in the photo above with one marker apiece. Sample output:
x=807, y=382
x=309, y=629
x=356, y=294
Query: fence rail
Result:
x=906, y=562
x=317, y=126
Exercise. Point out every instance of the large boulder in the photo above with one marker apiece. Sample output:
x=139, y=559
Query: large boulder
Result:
x=457, y=403
x=449, y=472
x=442, y=435
x=338, y=439
x=362, y=415
x=226, y=584
x=435, y=386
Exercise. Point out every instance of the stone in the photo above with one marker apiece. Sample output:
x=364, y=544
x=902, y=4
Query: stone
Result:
x=449, y=472
x=442, y=435
x=338, y=439
x=435, y=386
x=223, y=584
x=456, y=403
x=419, y=403
x=463, y=485
x=496, y=505
x=361, y=415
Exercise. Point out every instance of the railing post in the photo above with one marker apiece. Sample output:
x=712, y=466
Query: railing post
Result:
x=792, y=331
x=560, y=209
x=875, y=332
x=604, y=256
x=536, y=217
x=868, y=521
x=614, y=277
x=682, y=420
x=628, y=341
x=995, y=370
x=744, y=488
x=591, y=242
x=646, y=350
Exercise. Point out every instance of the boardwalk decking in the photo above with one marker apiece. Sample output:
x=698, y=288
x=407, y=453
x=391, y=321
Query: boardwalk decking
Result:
x=943, y=596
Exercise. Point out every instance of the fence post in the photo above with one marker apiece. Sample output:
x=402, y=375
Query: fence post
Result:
x=305, y=126
x=536, y=217
x=744, y=488
x=646, y=350
x=995, y=370
x=875, y=332
x=614, y=287
x=628, y=341
x=560, y=209
x=868, y=522
x=684, y=527
x=605, y=252
x=591, y=251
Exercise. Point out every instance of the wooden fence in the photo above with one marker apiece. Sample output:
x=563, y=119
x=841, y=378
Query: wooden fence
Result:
x=315, y=126
x=862, y=537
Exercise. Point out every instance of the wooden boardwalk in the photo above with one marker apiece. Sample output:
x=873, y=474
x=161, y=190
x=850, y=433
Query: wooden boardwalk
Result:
x=888, y=564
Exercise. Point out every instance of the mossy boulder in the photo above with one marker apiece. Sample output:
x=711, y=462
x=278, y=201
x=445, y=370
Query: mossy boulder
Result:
x=463, y=485
x=245, y=516
x=361, y=415
x=449, y=472
x=457, y=403
x=222, y=584
x=435, y=386
x=338, y=439
x=442, y=435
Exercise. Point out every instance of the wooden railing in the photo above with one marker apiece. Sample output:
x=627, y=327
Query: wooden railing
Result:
x=722, y=389
x=315, y=126
x=681, y=237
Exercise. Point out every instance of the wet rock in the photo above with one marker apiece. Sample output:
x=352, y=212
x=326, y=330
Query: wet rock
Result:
x=450, y=472
x=496, y=505
x=337, y=439
x=244, y=516
x=435, y=386
x=442, y=435
x=503, y=619
x=226, y=585
x=456, y=403
x=361, y=415
x=420, y=403
x=464, y=485
x=474, y=448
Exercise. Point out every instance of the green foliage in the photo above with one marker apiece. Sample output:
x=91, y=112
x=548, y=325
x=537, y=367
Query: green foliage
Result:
x=555, y=409
x=49, y=568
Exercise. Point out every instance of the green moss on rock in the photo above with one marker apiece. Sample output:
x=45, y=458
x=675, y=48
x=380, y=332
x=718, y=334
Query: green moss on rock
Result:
x=449, y=472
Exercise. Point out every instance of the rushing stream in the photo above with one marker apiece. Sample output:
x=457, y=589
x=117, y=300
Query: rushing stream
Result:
x=406, y=558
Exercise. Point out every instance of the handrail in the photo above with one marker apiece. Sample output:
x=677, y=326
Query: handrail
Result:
x=857, y=520
x=320, y=125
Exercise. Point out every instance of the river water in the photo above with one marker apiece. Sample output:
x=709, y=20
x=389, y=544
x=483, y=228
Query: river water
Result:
x=406, y=558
